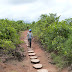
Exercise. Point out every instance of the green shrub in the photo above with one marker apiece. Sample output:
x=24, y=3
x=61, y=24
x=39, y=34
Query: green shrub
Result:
x=55, y=36
x=67, y=50
x=9, y=34
x=58, y=60
x=8, y=46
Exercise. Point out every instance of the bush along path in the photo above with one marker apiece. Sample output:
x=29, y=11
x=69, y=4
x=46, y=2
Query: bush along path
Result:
x=55, y=36
x=38, y=59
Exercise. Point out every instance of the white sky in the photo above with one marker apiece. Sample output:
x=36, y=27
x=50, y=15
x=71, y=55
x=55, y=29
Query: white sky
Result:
x=30, y=10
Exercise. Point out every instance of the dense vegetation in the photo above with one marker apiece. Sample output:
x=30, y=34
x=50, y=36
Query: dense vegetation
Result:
x=9, y=34
x=55, y=37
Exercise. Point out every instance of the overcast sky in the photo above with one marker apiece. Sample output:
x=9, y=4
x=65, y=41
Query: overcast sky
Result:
x=30, y=10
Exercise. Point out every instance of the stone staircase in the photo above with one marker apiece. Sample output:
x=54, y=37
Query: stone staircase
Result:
x=34, y=59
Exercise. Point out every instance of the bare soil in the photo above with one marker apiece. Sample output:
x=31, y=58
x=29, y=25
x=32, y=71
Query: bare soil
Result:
x=25, y=65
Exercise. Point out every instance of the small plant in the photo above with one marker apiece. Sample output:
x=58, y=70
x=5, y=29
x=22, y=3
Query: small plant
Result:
x=53, y=55
x=58, y=60
x=22, y=49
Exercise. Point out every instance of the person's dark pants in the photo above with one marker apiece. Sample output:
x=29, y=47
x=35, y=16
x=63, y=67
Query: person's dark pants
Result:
x=29, y=40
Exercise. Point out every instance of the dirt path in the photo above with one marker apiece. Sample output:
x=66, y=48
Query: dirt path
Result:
x=43, y=56
x=26, y=65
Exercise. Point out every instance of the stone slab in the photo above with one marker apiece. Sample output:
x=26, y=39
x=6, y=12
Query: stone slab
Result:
x=32, y=54
x=30, y=51
x=35, y=61
x=37, y=66
x=33, y=57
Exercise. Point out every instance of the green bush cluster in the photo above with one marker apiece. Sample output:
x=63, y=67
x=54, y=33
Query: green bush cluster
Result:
x=55, y=36
x=9, y=34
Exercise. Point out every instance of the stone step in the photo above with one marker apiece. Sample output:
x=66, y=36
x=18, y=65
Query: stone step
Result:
x=32, y=54
x=37, y=66
x=33, y=57
x=31, y=51
x=35, y=61
x=42, y=70
x=30, y=48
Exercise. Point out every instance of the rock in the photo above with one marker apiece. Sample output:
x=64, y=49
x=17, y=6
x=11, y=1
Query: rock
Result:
x=37, y=66
x=32, y=54
x=31, y=51
x=33, y=57
x=35, y=60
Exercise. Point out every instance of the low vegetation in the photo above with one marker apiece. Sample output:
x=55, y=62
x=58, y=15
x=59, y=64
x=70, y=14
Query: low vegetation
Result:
x=9, y=35
x=55, y=37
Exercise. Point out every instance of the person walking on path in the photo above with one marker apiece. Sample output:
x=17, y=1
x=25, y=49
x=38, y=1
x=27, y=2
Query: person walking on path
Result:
x=29, y=36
